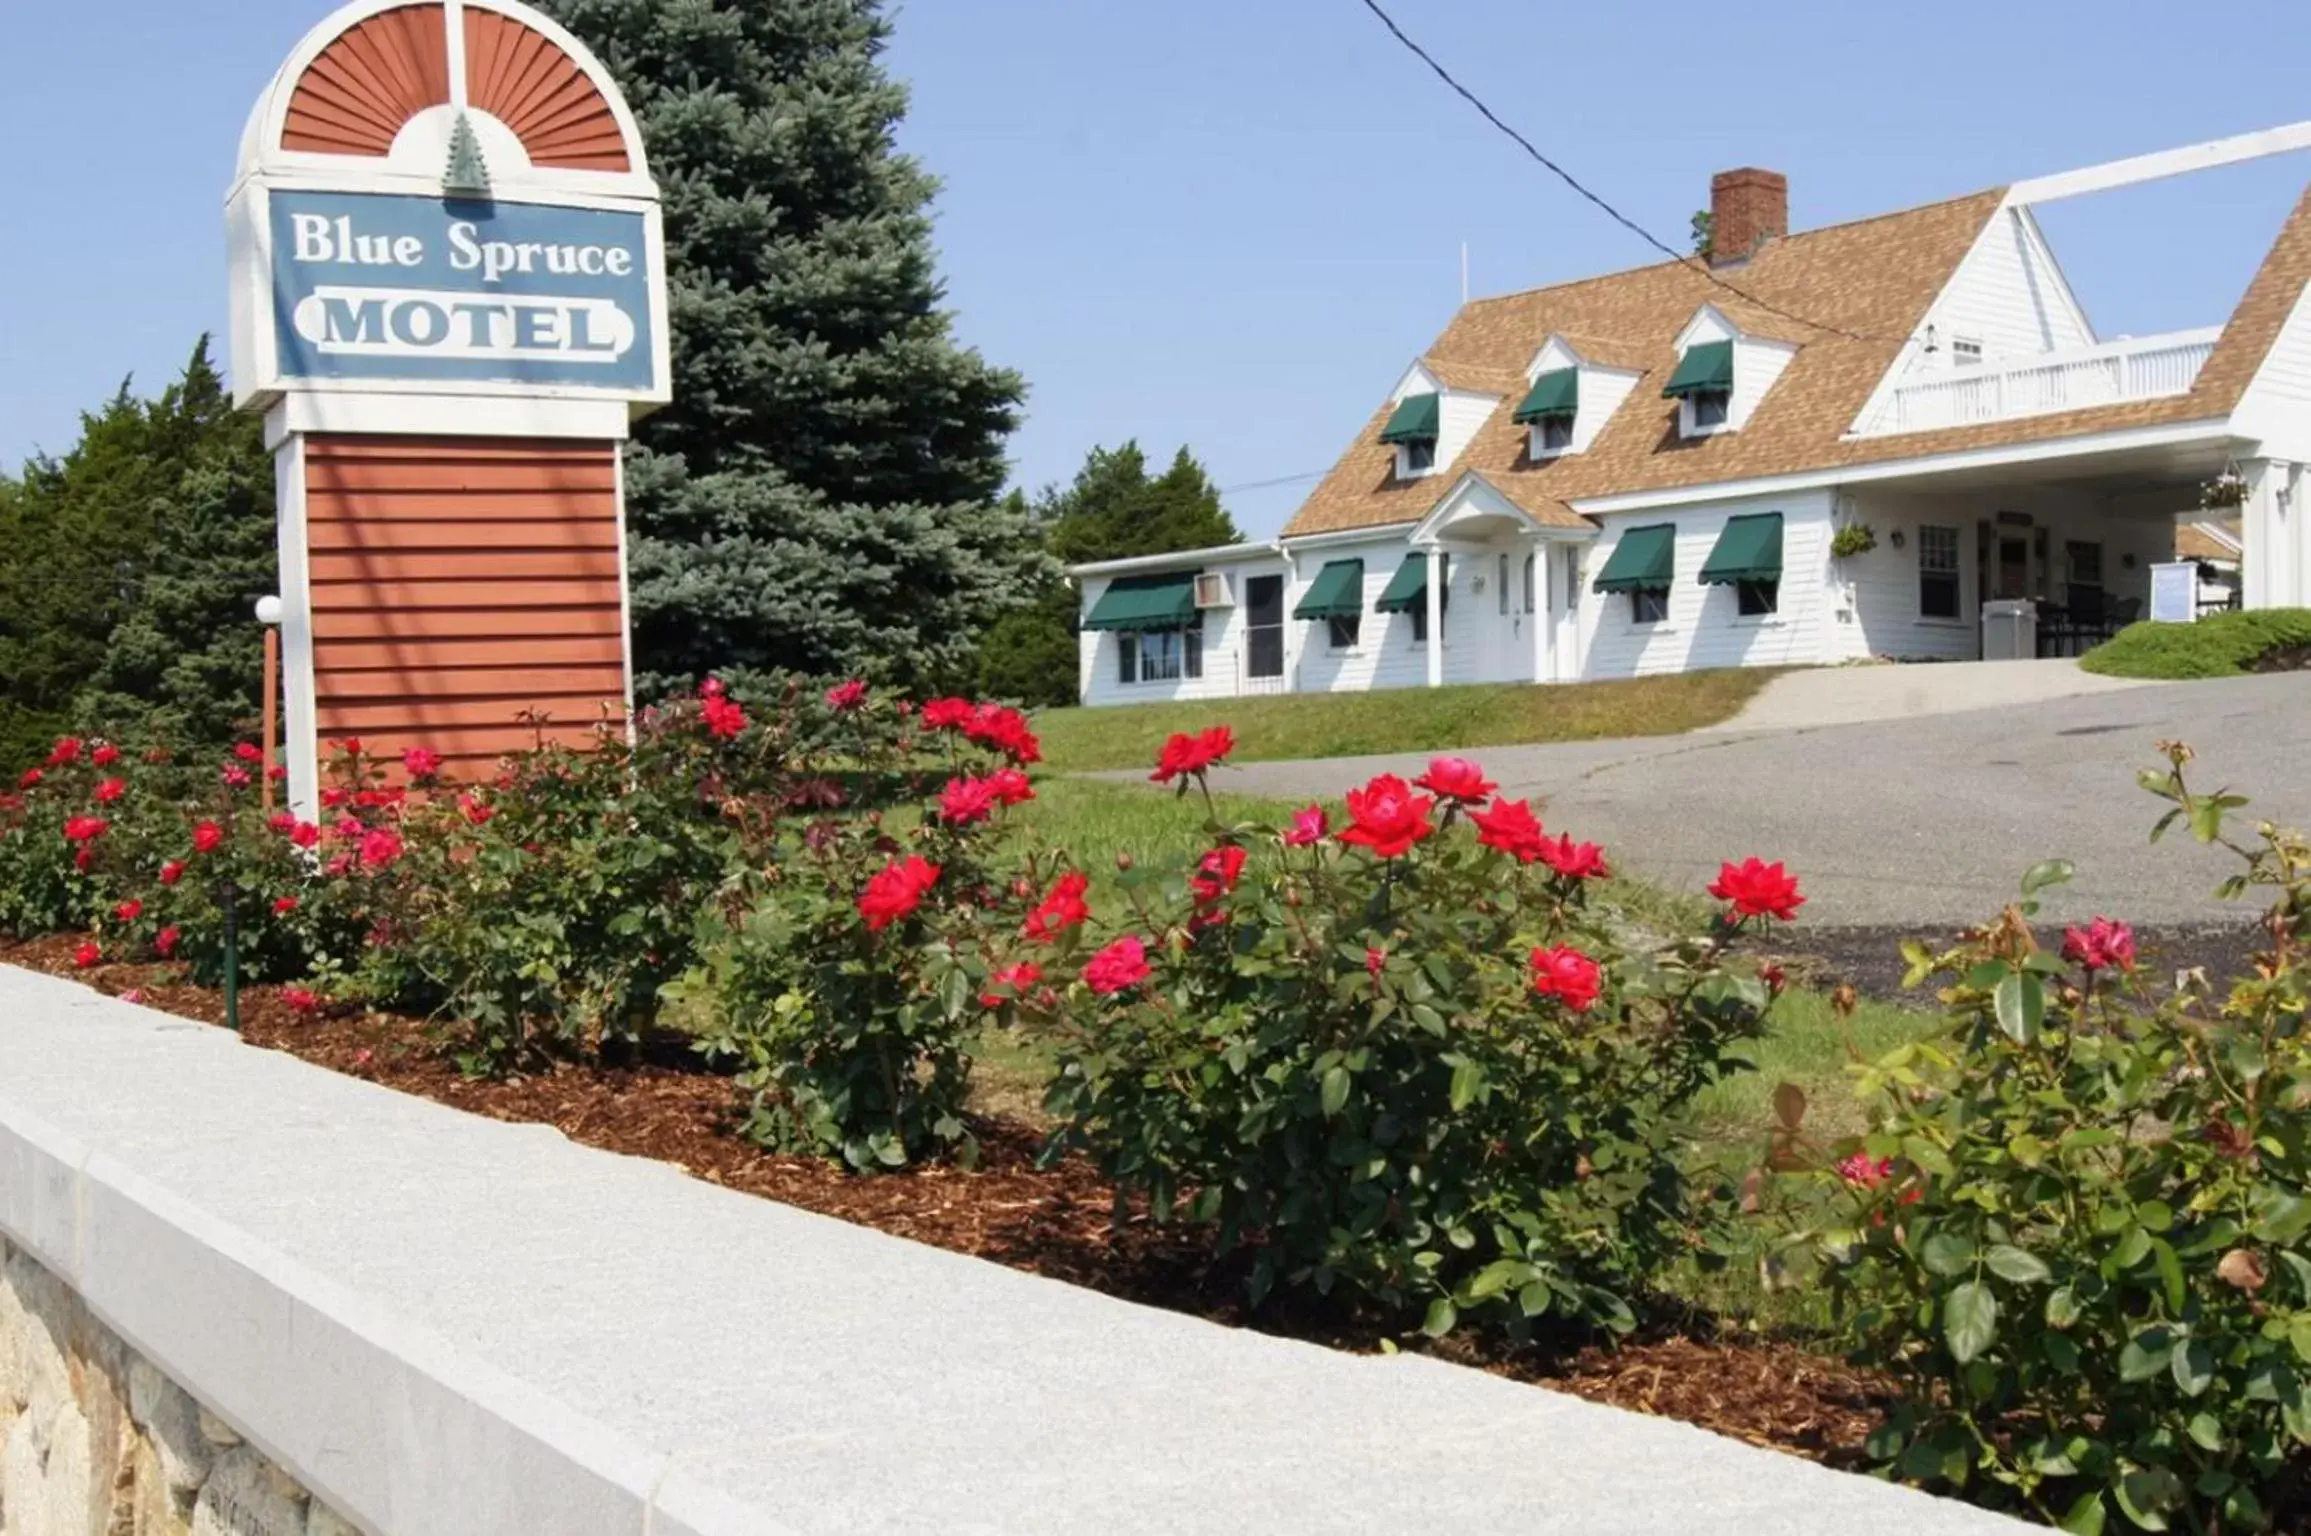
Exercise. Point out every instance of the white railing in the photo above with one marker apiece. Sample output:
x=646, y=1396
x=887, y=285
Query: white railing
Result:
x=2141, y=368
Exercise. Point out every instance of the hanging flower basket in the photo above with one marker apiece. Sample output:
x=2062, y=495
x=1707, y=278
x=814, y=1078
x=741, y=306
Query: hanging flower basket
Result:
x=1853, y=539
x=2228, y=489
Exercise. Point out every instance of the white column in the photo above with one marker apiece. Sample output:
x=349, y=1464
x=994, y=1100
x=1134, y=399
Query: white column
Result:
x=2271, y=562
x=1435, y=598
x=1544, y=617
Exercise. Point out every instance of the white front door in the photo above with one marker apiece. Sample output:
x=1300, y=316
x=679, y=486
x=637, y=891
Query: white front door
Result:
x=1507, y=652
x=1565, y=612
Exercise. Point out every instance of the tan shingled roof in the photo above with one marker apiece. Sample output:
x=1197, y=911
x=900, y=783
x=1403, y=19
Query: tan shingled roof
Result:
x=1875, y=278
x=2193, y=542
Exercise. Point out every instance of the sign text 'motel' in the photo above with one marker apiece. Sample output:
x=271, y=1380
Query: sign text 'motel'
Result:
x=377, y=286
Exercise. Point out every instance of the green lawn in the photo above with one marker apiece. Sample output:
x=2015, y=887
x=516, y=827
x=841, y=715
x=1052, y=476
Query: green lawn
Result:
x=1403, y=719
x=2219, y=645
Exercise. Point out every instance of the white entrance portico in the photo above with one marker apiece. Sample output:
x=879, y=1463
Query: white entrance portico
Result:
x=1519, y=586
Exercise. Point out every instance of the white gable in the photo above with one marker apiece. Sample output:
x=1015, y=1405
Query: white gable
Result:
x=1757, y=363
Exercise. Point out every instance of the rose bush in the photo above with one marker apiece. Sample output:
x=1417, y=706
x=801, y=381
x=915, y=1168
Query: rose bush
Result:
x=2078, y=1230
x=1397, y=1062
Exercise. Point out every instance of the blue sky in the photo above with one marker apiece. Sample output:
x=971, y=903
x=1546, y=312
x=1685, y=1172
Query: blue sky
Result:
x=1231, y=223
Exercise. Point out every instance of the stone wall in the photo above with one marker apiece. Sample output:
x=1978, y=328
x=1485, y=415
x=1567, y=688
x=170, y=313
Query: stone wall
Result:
x=95, y=1441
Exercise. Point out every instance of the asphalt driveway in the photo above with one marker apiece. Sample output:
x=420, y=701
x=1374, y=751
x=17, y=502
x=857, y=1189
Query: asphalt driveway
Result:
x=1926, y=822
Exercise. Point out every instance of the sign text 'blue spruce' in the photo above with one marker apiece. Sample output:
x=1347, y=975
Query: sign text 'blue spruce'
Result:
x=376, y=287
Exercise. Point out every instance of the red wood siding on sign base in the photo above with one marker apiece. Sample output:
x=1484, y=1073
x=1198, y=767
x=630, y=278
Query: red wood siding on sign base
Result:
x=459, y=584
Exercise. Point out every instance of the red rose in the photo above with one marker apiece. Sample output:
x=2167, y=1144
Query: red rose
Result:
x=1121, y=965
x=1575, y=861
x=1005, y=730
x=1774, y=977
x=111, y=790
x=1374, y=959
x=300, y=1000
x=1387, y=817
x=84, y=860
x=172, y=871
x=248, y=752
x=896, y=891
x=1185, y=755
x=1217, y=875
x=847, y=696
x=84, y=829
x=380, y=847
x=1568, y=975
x=1060, y=910
x=946, y=714
x=725, y=718
x=421, y=763
x=350, y=746
x=87, y=955
x=1861, y=1173
x=334, y=797
x=32, y=776
x=1012, y=787
x=2101, y=945
x=338, y=866
x=1308, y=827
x=164, y=943
x=1017, y=976
x=1758, y=889
x=965, y=801
x=208, y=837
x=1456, y=778
x=235, y=777
x=304, y=834
x=1510, y=826
x=284, y=906
x=276, y=773
x=128, y=911
x=475, y=812
x=105, y=755
x=281, y=821
x=67, y=750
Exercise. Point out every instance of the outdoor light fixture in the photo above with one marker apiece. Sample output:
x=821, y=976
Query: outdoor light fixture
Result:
x=1931, y=344
x=1898, y=540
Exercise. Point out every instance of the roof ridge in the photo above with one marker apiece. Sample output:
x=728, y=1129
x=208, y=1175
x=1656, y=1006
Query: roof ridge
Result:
x=1687, y=262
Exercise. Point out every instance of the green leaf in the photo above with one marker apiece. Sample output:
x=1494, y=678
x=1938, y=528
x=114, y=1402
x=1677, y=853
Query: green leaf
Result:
x=2145, y=1355
x=1335, y=1094
x=1947, y=1254
x=1467, y=1078
x=2146, y=1494
x=2193, y=1367
x=2170, y=1268
x=2027, y=1150
x=1441, y=1317
x=1533, y=1300
x=1969, y=1320
x=2154, y=1215
x=2062, y=1307
x=1497, y=1277
x=2085, y=1517
x=2010, y=1263
x=2299, y=1335
x=2279, y=1216
x=2132, y=1246
x=2021, y=1004
x=2206, y=1429
x=2206, y=818
x=2052, y=872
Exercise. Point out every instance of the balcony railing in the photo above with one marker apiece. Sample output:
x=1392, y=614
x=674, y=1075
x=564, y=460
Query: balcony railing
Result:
x=2144, y=368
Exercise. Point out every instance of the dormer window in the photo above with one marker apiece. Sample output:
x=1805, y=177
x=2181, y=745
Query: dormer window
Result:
x=1412, y=428
x=1703, y=388
x=1549, y=411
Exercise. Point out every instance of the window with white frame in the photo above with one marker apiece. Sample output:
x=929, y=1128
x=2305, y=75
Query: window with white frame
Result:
x=1649, y=605
x=1552, y=435
x=1711, y=408
x=1159, y=655
x=1344, y=630
x=1965, y=351
x=1937, y=572
x=1417, y=457
x=1757, y=599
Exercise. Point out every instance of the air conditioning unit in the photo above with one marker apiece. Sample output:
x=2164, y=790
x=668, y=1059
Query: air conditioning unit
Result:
x=1213, y=590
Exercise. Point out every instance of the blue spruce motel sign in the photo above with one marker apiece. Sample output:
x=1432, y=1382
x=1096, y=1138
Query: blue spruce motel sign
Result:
x=390, y=287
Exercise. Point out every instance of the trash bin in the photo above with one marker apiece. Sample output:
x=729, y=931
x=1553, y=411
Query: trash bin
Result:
x=2009, y=629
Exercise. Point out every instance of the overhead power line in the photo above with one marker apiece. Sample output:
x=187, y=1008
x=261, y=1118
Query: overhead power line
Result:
x=1262, y=485
x=1684, y=258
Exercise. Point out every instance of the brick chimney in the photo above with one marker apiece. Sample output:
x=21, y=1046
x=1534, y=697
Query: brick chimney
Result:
x=1747, y=207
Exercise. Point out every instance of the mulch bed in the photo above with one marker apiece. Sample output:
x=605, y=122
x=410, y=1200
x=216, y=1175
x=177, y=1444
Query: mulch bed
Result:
x=1058, y=1222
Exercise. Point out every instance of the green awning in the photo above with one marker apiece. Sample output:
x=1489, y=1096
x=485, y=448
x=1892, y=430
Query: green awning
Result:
x=1644, y=561
x=1336, y=593
x=1408, y=588
x=1166, y=600
x=1413, y=421
x=1705, y=366
x=1748, y=550
x=1557, y=393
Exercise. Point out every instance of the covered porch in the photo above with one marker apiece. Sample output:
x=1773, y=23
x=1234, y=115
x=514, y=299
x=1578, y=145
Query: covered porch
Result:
x=2076, y=537
x=1508, y=604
